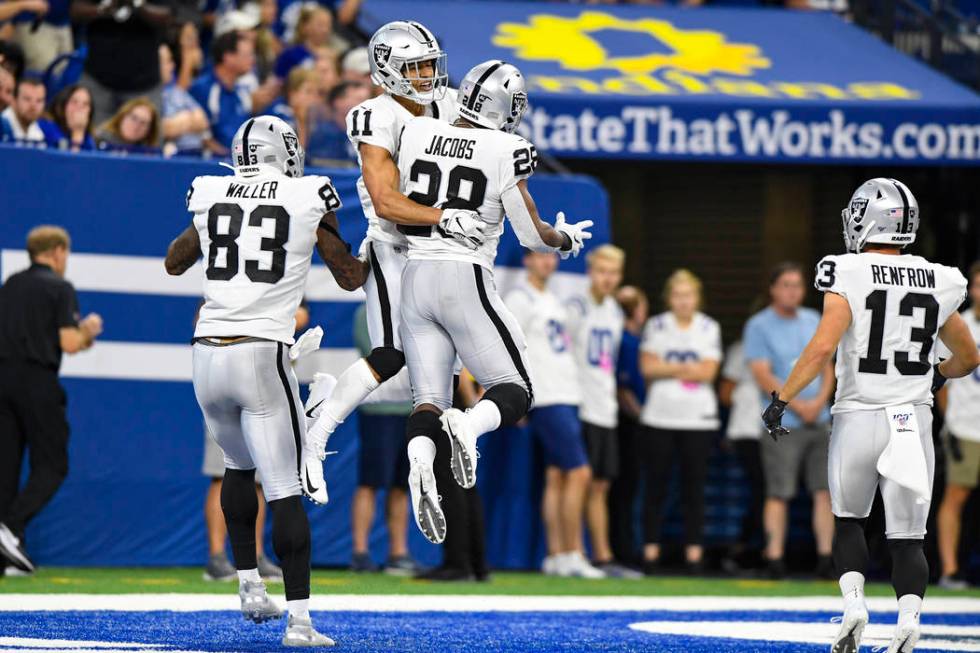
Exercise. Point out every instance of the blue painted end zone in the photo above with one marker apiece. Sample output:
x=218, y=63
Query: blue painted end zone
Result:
x=434, y=632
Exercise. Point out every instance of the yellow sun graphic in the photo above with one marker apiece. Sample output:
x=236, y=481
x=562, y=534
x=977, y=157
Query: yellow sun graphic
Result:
x=568, y=42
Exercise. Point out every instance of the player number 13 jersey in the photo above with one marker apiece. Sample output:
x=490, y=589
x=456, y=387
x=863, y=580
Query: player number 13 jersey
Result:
x=898, y=304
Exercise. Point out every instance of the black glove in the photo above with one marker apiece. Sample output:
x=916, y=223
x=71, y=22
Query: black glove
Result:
x=773, y=417
x=938, y=380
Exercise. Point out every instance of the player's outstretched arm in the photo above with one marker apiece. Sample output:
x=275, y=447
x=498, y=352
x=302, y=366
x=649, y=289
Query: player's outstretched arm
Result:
x=818, y=352
x=349, y=271
x=536, y=234
x=381, y=180
x=956, y=335
x=183, y=251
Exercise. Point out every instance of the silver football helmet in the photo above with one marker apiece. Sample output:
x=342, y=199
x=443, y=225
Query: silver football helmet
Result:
x=493, y=95
x=880, y=211
x=267, y=141
x=396, y=54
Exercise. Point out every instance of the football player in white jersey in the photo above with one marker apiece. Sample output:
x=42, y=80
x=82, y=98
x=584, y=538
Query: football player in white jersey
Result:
x=449, y=303
x=554, y=421
x=960, y=401
x=882, y=312
x=595, y=322
x=256, y=230
x=406, y=61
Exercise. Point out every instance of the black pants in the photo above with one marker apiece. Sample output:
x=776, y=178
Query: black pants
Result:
x=749, y=458
x=622, y=492
x=464, y=547
x=659, y=449
x=32, y=416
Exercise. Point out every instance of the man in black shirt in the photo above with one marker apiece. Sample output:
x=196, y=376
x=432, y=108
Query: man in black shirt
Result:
x=38, y=321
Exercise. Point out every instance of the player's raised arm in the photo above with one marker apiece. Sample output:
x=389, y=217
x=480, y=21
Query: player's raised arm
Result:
x=536, y=234
x=183, y=251
x=956, y=335
x=349, y=271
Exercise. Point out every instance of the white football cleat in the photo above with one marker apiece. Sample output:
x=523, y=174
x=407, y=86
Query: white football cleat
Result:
x=256, y=604
x=852, y=625
x=315, y=447
x=425, y=501
x=300, y=633
x=320, y=390
x=462, y=438
x=311, y=480
x=906, y=636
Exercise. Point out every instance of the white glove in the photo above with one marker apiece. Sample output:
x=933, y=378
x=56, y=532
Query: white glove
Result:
x=576, y=232
x=309, y=341
x=463, y=225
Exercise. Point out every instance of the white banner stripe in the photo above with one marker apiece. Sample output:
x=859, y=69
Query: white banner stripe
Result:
x=147, y=361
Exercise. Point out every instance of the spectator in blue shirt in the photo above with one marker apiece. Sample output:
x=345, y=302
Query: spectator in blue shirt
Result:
x=183, y=121
x=44, y=35
x=300, y=103
x=135, y=129
x=226, y=102
x=328, y=138
x=774, y=338
x=631, y=390
x=314, y=31
x=70, y=127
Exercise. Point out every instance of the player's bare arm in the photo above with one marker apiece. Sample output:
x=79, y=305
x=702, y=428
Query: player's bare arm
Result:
x=349, y=271
x=382, y=182
x=183, y=251
x=808, y=409
x=956, y=335
x=819, y=351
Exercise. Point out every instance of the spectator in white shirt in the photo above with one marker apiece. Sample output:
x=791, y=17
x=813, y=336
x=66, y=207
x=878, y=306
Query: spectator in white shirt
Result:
x=680, y=356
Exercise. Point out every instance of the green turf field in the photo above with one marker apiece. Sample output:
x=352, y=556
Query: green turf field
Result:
x=189, y=580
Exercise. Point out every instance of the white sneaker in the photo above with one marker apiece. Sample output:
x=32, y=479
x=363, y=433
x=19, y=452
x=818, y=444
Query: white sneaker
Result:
x=320, y=390
x=425, y=501
x=578, y=567
x=463, y=441
x=906, y=636
x=852, y=625
x=300, y=633
x=549, y=566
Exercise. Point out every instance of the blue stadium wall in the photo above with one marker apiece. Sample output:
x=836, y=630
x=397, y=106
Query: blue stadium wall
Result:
x=134, y=494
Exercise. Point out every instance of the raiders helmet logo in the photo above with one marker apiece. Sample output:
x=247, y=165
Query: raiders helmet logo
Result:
x=518, y=104
x=291, y=142
x=858, y=207
x=382, y=52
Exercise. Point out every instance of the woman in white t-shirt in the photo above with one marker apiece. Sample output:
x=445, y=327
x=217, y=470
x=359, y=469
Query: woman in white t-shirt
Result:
x=680, y=356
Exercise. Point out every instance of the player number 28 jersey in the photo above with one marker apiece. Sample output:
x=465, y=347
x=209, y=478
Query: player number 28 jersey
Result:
x=460, y=168
x=379, y=122
x=898, y=304
x=257, y=237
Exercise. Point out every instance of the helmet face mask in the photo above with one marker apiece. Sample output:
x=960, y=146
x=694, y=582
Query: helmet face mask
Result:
x=267, y=141
x=881, y=211
x=397, y=52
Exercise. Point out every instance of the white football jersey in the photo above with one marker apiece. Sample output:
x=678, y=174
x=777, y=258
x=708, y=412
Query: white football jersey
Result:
x=257, y=237
x=597, y=330
x=963, y=401
x=675, y=404
x=898, y=304
x=551, y=365
x=379, y=121
x=464, y=168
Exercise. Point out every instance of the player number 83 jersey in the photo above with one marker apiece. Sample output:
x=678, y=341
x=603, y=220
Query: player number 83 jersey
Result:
x=898, y=304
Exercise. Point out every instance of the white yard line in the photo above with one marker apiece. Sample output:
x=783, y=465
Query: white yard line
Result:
x=468, y=603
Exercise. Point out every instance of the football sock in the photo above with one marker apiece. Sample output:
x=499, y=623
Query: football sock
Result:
x=353, y=387
x=909, y=607
x=241, y=508
x=299, y=608
x=250, y=575
x=850, y=549
x=422, y=448
x=291, y=542
x=484, y=416
x=852, y=588
x=910, y=570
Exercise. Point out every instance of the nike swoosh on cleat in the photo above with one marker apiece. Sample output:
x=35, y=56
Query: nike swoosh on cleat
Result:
x=309, y=486
x=309, y=413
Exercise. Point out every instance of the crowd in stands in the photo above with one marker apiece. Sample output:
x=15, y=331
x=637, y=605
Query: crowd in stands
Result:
x=164, y=77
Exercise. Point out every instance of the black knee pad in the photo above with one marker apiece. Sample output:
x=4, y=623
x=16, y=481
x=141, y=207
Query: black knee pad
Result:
x=386, y=361
x=910, y=569
x=291, y=542
x=512, y=401
x=850, y=550
x=423, y=423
